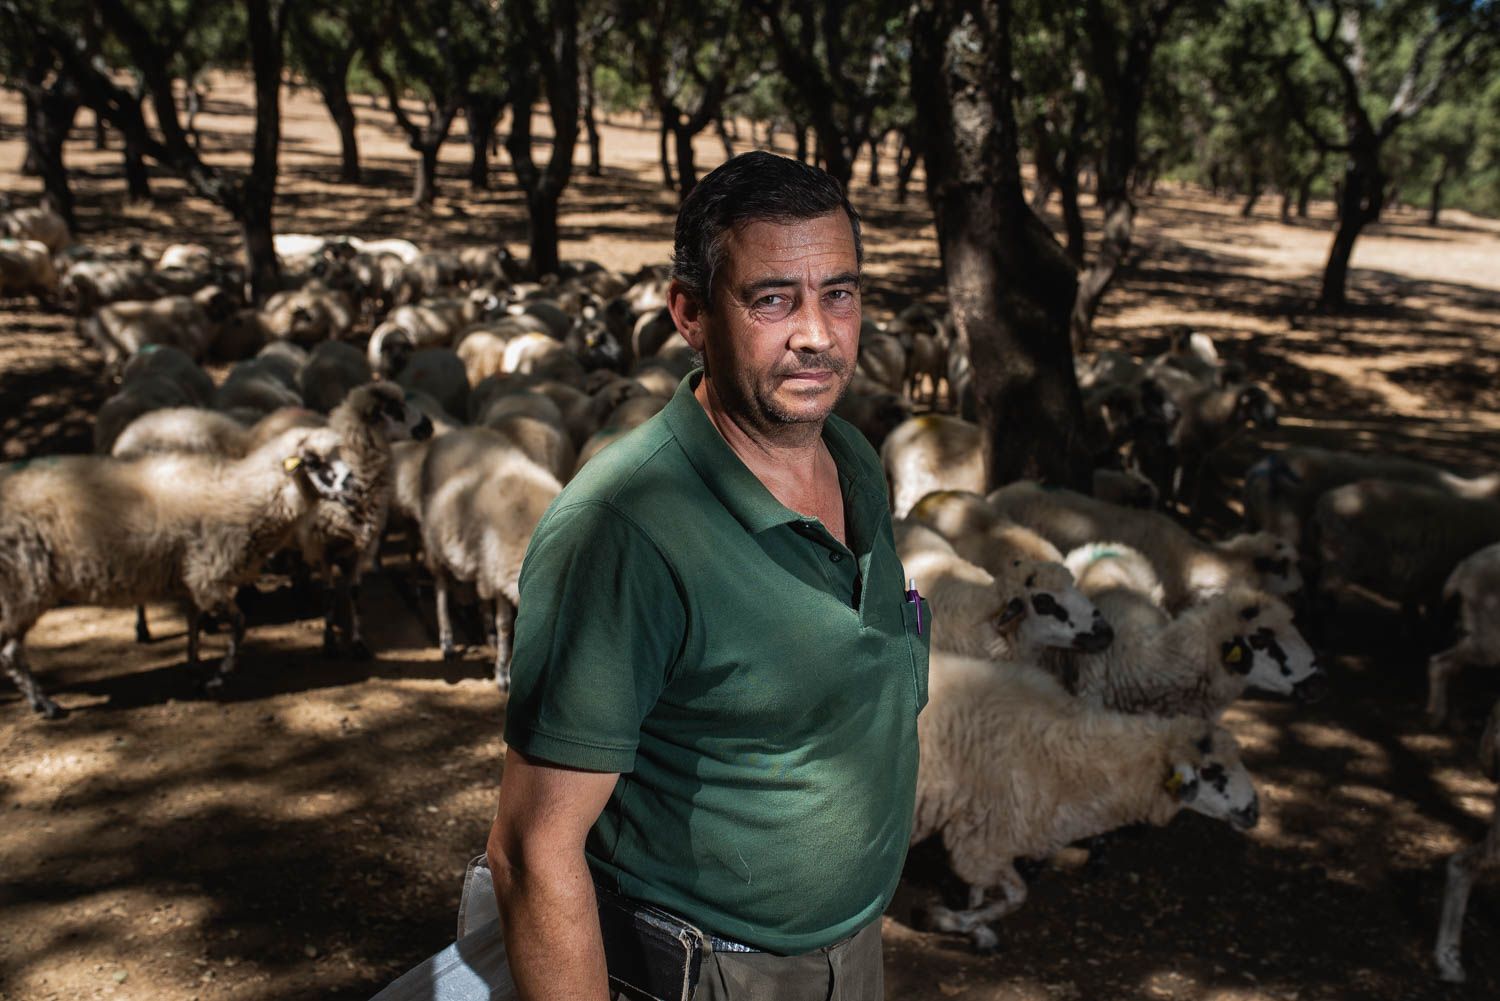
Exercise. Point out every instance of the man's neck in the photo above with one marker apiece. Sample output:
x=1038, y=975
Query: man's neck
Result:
x=789, y=462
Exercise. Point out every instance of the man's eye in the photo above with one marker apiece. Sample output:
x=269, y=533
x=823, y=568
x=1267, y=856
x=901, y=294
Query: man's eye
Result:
x=840, y=294
x=770, y=300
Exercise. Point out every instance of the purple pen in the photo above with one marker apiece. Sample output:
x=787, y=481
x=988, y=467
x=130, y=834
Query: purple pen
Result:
x=916, y=599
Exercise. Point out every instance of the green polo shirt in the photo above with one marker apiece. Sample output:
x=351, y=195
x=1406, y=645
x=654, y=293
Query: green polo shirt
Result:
x=755, y=682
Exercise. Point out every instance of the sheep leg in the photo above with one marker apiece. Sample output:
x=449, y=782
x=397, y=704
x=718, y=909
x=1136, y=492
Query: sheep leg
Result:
x=13, y=659
x=445, y=622
x=1463, y=867
x=142, y=628
x=505, y=617
x=1440, y=669
x=974, y=921
x=330, y=613
x=231, y=655
x=358, y=649
x=194, y=624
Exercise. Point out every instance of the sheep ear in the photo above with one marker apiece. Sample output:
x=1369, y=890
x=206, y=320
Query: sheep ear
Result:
x=1013, y=610
x=1182, y=783
x=1236, y=656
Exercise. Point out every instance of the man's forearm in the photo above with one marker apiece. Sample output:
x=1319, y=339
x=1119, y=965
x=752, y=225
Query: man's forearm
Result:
x=551, y=922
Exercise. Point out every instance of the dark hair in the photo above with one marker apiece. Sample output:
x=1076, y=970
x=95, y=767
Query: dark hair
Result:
x=754, y=186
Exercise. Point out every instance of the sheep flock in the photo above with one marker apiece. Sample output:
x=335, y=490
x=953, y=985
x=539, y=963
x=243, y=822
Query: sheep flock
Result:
x=412, y=412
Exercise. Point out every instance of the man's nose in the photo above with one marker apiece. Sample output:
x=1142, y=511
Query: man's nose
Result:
x=813, y=333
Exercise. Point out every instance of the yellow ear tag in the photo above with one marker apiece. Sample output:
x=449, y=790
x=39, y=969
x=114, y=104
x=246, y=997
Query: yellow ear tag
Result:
x=291, y=462
x=1235, y=654
x=1174, y=782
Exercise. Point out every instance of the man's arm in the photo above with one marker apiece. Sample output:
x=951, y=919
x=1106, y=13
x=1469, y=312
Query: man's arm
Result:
x=546, y=896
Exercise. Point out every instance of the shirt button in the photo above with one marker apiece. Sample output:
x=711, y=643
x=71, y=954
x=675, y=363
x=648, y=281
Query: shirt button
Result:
x=835, y=556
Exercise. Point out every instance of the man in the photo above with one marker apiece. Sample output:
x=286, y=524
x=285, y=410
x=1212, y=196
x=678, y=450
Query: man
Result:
x=717, y=667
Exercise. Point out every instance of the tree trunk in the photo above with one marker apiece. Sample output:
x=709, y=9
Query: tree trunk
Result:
x=424, y=189
x=1286, y=206
x=874, y=178
x=1072, y=212
x=667, y=180
x=1360, y=195
x=1114, y=245
x=194, y=102
x=1251, y=199
x=800, y=131
x=258, y=190
x=906, y=164
x=591, y=127
x=1009, y=284
x=336, y=97
x=1304, y=196
x=687, y=172
x=835, y=159
x=724, y=137
x=1042, y=193
x=545, y=259
x=101, y=141
x=137, y=179
x=49, y=118
x=482, y=112
x=31, y=163
x=1435, y=204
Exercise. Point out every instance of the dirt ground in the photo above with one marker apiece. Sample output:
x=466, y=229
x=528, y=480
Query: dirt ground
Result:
x=304, y=835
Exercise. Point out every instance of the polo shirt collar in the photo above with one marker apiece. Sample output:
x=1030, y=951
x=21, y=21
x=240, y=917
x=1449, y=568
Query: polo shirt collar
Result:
x=731, y=481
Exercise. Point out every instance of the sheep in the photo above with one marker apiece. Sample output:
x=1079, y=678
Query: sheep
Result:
x=1193, y=665
x=433, y=323
x=38, y=224
x=308, y=315
x=978, y=533
x=1125, y=488
x=186, y=256
x=543, y=442
x=928, y=453
x=26, y=269
x=882, y=358
x=1282, y=488
x=1475, y=582
x=257, y=387
x=1466, y=865
x=90, y=284
x=630, y=414
x=194, y=430
x=439, y=373
x=338, y=539
x=1012, y=766
x=1399, y=540
x=1016, y=613
x=157, y=378
x=1191, y=571
x=189, y=323
x=332, y=371
x=481, y=500
x=482, y=350
x=96, y=530
x=875, y=414
x=1212, y=417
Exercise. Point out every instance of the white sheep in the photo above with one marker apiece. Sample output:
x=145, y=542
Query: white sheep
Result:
x=157, y=378
x=339, y=539
x=193, y=430
x=1475, y=582
x=1027, y=607
x=257, y=387
x=1190, y=570
x=95, y=530
x=1193, y=665
x=26, y=269
x=40, y=224
x=931, y=452
x=308, y=315
x=188, y=323
x=979, y=533
x=431, y=323
x=1468, y=864
x=1281, y=489
x=89, y=284
x=1014, y=767
x=481, y=500
x=1399, y=540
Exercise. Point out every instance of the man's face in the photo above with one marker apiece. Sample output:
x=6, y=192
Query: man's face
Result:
x=782, y=334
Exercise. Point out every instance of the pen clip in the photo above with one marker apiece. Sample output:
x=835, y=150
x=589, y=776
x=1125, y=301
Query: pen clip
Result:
x=915, y=597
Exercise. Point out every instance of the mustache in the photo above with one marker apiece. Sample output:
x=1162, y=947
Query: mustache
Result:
x=818, y=363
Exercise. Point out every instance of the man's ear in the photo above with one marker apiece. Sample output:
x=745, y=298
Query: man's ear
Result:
x=688, y=314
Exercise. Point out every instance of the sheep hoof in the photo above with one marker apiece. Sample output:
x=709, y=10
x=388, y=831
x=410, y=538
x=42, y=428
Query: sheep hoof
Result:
x=359, y=650
x=48, y=708
x=502, y=681
x=1450, y=968
x=984, y=939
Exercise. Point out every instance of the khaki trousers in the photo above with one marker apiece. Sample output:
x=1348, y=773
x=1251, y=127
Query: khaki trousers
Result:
x=850, y=970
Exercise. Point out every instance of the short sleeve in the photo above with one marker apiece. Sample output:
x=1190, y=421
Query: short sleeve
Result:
x=600, y=623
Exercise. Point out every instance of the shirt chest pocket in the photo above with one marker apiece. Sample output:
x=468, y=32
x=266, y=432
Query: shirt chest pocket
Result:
x=916, y=617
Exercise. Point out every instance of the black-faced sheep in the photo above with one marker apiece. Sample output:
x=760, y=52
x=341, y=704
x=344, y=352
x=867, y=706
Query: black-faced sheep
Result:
x=1012, y=767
